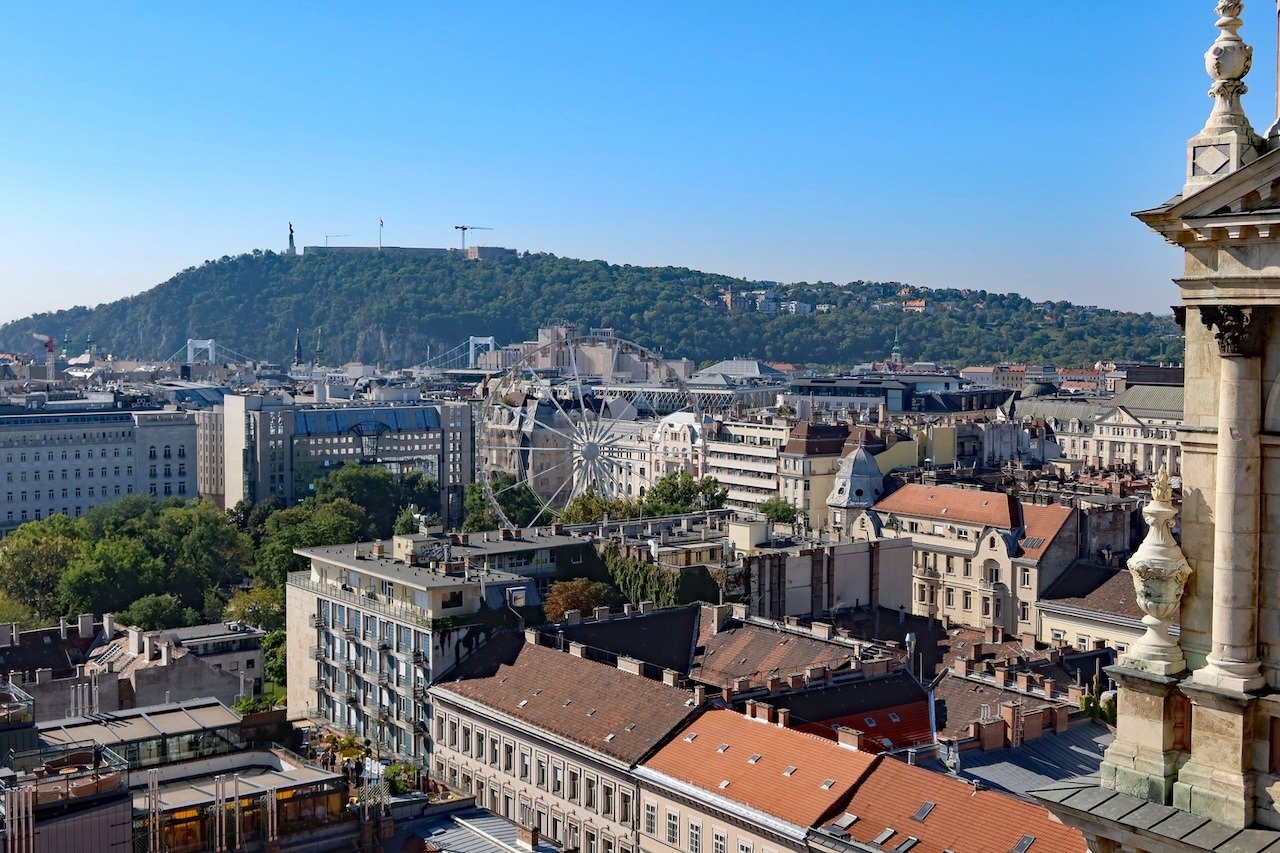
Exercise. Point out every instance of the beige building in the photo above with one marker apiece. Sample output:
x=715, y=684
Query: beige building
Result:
x=1198, y=733
x=743, y=456
x=1092, y=605
x=807, y=468
x=370, y=626
x=979, y=558
x=549, y=739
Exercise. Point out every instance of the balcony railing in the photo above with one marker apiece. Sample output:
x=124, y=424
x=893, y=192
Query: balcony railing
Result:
x=318, y=684
x=316, y=653
x=316, y=621
x=370, y=602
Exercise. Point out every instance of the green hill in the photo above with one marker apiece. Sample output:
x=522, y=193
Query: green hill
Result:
x=390, y=308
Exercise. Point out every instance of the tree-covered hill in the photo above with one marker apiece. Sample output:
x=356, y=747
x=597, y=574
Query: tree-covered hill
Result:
x=390, y=308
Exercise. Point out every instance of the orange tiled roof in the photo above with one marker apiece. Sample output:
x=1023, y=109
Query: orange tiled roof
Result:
x=723, y=750
x=911, y=728
x=948, y=503
x=961, y=819
x=1043, y=524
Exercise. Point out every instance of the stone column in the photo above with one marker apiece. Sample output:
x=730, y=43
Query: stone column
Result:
x=1233, y=662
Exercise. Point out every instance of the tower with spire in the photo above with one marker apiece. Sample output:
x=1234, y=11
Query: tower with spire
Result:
x=297, y=346
x=292, y=250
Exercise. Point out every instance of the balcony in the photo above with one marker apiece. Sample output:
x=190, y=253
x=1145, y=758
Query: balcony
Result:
x=925, y=572
x=316, y=621
x=317, y=653
x=384, y=679
x=318, y=684
x=351, y=666
x=420, y=658
x=420, y=693
x=369, y=602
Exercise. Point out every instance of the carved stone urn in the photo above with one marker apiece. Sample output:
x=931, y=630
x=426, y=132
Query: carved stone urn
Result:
x=1160, y=571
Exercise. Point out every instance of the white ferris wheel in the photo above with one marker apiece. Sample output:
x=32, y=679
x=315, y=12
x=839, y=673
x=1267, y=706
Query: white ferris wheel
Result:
x=576, y=415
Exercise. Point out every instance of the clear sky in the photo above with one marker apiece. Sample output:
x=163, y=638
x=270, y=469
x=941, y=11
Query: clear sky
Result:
x=995, y=145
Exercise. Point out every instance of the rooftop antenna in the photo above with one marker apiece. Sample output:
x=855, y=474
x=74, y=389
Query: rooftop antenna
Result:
x=334, y=236
x=465, y=228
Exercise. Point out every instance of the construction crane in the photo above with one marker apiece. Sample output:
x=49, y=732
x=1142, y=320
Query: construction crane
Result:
x=465, y=228
x=334, y=236
x=50, y=363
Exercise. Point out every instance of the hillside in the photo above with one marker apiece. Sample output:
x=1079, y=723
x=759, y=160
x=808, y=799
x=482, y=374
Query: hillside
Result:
x=388, y=309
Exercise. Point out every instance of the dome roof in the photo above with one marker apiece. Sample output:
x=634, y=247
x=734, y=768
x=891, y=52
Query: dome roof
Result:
x=1038, y=389
x=859, y=483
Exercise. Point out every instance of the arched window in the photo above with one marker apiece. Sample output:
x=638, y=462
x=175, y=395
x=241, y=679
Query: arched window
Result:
x=151, y=454
x=167, y=454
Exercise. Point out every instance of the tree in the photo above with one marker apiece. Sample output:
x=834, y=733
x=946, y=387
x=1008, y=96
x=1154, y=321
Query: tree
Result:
x=786, y=411
x=591, y=507
x=519, y=503
x=262, y=607
x=274, y=668
x=406, y=524
x=776, y=509
x=581, y=594
x=158, y=611
x=307, y=525
x=200, y=546
x=109, y=575
x=371, y=487
x=33, y=559
x=679, y=492
x=16, y=611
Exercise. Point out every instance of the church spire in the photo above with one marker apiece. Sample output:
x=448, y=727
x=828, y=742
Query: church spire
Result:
x=1227, y=142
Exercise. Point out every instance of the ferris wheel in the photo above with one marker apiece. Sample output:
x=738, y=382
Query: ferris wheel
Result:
x=576, y=414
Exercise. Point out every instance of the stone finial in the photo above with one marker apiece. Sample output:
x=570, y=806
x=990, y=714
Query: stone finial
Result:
x=1160, y=571
x=1227, y=140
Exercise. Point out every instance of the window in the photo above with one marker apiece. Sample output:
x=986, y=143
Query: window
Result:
x=1024, y=611
x=695, y=838
x=650, y=819
x=542, y=772
x=1057, y=634
x=744, y=846
x=525, y=758
x=1082, y=642
x=1024, y=577
x=718, y=842
x=673, y=829
x=951, y=597
x=986, y=606
x=968, y=600
x=968, y=568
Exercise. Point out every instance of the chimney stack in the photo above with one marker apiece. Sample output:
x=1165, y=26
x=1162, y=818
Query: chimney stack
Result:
x=86, y=625
x=108, y=625
x=784, y=718
x=699, y=694
x=62, y=627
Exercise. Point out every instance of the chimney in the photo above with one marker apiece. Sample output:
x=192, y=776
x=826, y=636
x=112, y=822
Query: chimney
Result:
x=774, y=684
x=963, y=666
x=44, y=676
x=751, y=709
x=821, y=630
x=86, y=625
x=135, y=640
x=847, y=737
x=670, y=677
x=528, y=837
x=726, y=693
x=630, y=665
x=784, y=718
x=108, y=625
x=602, y=614
x=764, y=711
x=573, y=617
x=994, y=634
x=531, y=636
x=577, y=650
x=741, y=685
x=166, y=653
x=1024, y=680
x=1048, y=687
x=148, y=645
x=739, y=611
x=62, y=627
x=717, y=616
x=626, y=609
x=815, y=673
x=646, y=607
x=1009, y=714
x=379, y=551
x=699, y=694
x=796, y=681
x=1001, y=672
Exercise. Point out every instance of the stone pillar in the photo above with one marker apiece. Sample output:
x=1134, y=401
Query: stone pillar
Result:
x=1218, y=782
x=1233, y=662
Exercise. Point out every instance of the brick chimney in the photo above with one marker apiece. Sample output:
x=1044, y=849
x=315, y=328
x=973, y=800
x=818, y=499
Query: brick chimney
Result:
x=1049, y=685
x=774, y=684
x=699, y=694
x=528, y=837
x=784, y=718
x=602, y=614
x=796, y=681
x=578, y=650
x=1024, y=680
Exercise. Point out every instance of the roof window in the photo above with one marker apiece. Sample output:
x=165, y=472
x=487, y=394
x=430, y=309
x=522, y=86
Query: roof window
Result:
x=827, y=783
x=884, y=836
x=923, y=811
x=1024, y=844
x=789, y=770
x=894, y=718
x=724, y=783
x=609, y=737
x=911, y=841
x=754, y=759
x=523, y=702
x=724, y=747
x=690, y=737
x=870, y=721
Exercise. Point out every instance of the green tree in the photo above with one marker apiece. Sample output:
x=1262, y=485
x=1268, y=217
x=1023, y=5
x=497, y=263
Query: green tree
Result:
x=16, y=611
x=776, y=509
x=262, y=607
x=591, y=507
x=109, y=575
x=370, y=487
x=34, y=558
x=202, y=548
x=156, y=611
x=274, y=667
x=308, y=525
x=406, y=524
x=581, y=594
x=519, y=503
x=680, y=492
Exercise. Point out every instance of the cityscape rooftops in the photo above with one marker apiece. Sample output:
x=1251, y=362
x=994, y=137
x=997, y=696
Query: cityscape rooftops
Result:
x=365, y=559
x=948, y=503
x=139, y=724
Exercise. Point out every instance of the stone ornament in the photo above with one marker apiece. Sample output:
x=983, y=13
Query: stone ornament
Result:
x=1160, y=571
x=1237, y=329
x=1228, y=60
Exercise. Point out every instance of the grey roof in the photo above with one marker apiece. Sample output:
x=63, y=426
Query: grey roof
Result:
x=664, y=638
x=743, y=368
x=214, y=631
x=392, y=569
x=1058, y=409
x=1159, y=823
x=1051, y=758
x=471, y=830
x=1152, y=400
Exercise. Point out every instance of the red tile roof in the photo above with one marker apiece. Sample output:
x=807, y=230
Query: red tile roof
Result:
x=961, y=819
x=720, y=746
x=1043, y=523
x=994, y=509
x=911, y=728
x=742, y=649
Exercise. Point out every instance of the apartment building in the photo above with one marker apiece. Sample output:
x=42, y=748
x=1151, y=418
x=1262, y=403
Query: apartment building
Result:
x=743, y=456
x=550, y=739
x=979, y=558
x=1092, y=605
x=371, y=625
x=807, y=468
x=233, y=647
x=273, y=447
x=68, y=462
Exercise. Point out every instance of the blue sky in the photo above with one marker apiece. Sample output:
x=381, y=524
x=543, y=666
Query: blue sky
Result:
x=943, y=144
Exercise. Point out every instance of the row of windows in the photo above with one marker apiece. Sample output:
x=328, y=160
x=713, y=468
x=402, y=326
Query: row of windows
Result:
x=53, y=455
x=691, y=839
x=88, y=472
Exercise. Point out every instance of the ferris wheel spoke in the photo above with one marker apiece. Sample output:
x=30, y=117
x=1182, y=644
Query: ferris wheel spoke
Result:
x=547, y=504
x=537, y=422
x=543, y=383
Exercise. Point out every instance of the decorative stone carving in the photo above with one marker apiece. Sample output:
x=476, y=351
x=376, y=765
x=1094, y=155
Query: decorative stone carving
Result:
x=1160, y=571
x=1228, y=60
x=1237, y=329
